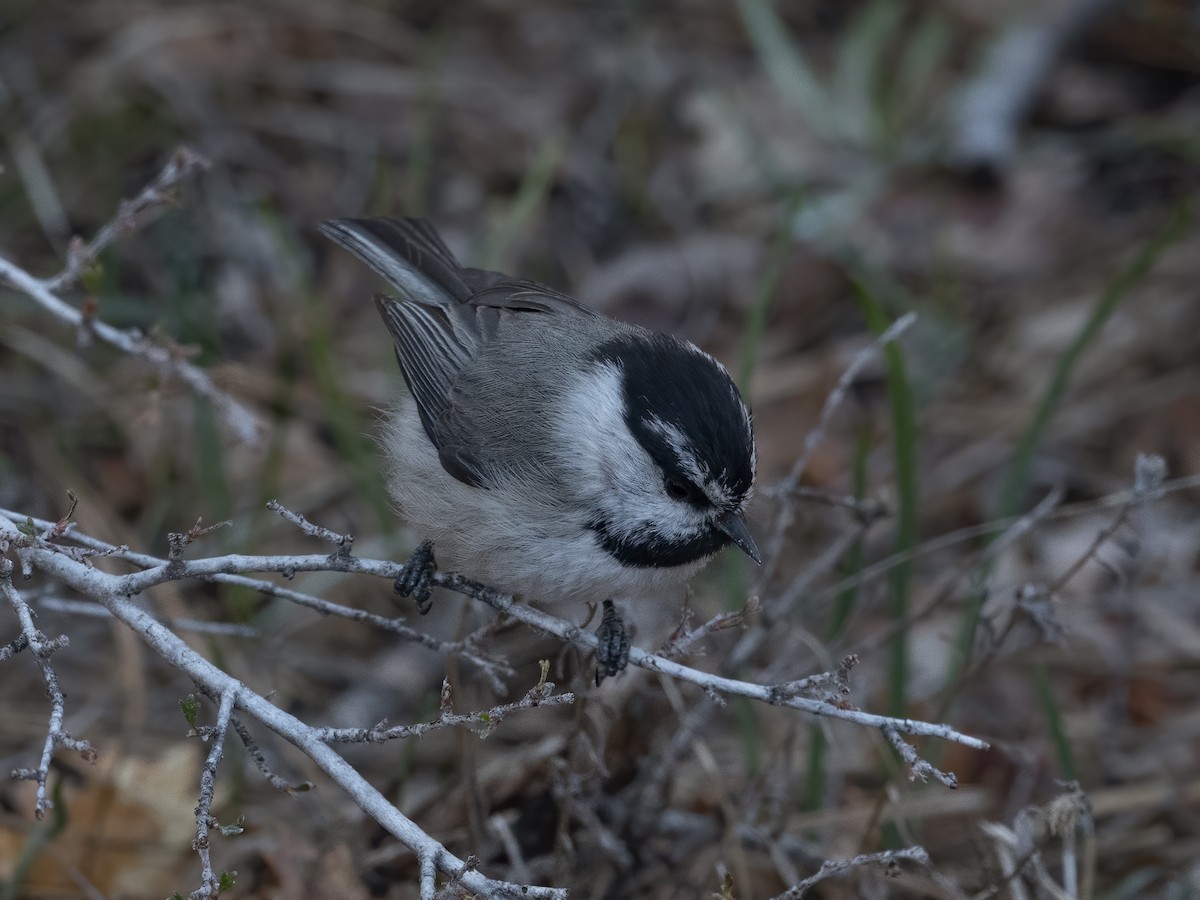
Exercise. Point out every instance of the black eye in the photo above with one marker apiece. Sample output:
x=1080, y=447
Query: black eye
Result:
x=678, y=490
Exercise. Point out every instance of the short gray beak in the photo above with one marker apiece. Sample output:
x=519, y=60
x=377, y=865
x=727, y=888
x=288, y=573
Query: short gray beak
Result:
x=733, y=525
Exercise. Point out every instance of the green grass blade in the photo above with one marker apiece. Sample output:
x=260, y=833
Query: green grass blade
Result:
x=785, y=65
x=756, y=324
x=212, y=482
x=924, y=54
x=857, y=87
x=814, y=779
x=904, y=428
x=529, y=197
x=1058, y=730
x=1017, y=480
x=847, y=598
x=1018, y=474
x=357, y=451
x=418, y=171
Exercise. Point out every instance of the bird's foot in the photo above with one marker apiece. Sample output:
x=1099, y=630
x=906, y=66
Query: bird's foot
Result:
x=416, y=580
x=612, y=653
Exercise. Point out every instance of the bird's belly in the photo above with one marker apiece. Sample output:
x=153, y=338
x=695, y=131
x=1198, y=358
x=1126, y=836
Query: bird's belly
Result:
x=500, y=539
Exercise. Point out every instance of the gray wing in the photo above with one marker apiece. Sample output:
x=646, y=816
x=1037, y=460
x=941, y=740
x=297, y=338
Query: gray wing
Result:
x=447, y=315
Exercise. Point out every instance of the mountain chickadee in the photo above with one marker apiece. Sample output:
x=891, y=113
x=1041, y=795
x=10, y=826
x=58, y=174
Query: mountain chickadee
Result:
x=545, y=449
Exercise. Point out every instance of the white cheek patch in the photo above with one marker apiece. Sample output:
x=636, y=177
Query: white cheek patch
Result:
x=610, y=470
x=601, y=452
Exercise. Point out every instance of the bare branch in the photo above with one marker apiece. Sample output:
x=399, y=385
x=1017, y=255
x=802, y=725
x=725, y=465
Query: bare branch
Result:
x=41, y=648
x=680, y=644
x=890, y=859
x=260, y=761
x=15, y=646
x=167, y=361
x=209, y=884
x=344, y=542
x=834, y=685
x=917, y=767
x=156, y=195
x=180, y=540
x=541, y=694
x=537, y=619
x=96, y=611
x=112, y=591
x=770, y=694
x=784, y=490
x=494, y=670
x=1148, y=478
x=115, y=592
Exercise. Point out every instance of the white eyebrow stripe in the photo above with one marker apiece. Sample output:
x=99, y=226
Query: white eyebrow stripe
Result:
x=681, y=446
x=695, y=470
x=747, y=421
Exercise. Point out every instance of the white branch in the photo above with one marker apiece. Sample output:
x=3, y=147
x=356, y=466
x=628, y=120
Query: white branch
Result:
x=112, y=591
x=209, y=883
x=888, y=858
x=72, y=565
x=492, y=669
x=44, y=292
x=41, y=648
x=775, y=695
x=541, y=694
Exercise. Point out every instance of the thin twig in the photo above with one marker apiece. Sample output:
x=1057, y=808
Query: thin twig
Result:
x=156, y=195
x=888, y=858
x=917, y=767
x=1148, y=480
x=496, y=671
x=680, y=644
x=537, y=619
x=167, y=361
x=539, y=695
x=209, y=883
x=260, y=761
x=983, y=529
x=785, y=489
x=41, y=648
x=344, y=542
x=95, y=610
x=111, y=591
x=771, y=694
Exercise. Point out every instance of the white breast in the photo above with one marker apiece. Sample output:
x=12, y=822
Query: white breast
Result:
x=505, y=538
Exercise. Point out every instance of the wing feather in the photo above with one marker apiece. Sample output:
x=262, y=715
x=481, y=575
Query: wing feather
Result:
x=445, y=317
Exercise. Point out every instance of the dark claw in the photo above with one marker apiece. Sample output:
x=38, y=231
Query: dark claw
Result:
x=612, y=654
x=416, y=580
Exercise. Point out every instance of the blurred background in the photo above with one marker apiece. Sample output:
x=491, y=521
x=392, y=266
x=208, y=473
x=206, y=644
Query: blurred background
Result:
x=774, y=181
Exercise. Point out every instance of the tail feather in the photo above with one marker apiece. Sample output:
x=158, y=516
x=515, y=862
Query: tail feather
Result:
x=407, y=252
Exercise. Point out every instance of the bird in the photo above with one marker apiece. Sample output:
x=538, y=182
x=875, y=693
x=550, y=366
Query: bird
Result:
x=547, y=450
